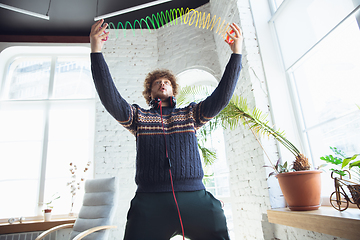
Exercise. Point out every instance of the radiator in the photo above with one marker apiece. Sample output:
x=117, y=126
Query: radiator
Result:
x=26, y=236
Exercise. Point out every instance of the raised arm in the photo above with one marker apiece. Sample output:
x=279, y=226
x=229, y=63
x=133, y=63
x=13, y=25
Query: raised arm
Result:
x=221, y=96
x=105, y=87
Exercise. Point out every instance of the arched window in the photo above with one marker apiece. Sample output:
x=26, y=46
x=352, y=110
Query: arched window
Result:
x=47, y=114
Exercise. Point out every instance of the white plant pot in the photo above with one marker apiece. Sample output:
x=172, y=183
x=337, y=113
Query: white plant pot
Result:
x=47, y=216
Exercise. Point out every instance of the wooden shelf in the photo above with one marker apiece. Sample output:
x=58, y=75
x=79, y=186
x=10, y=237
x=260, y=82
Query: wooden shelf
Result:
x=32, y=226
x=326, y=220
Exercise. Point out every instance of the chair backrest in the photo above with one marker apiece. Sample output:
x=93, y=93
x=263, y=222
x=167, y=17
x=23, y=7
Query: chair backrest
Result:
x=98, y=207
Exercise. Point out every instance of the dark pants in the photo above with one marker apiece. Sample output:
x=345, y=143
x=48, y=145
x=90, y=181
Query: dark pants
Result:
x=154, y=216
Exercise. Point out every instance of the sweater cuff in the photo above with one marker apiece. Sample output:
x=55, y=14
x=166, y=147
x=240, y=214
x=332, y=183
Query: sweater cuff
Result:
x=96, y=55
x=236, y=58
x=236, y=55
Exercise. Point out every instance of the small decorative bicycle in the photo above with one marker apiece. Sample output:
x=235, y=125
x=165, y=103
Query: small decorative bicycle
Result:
x=339, y=199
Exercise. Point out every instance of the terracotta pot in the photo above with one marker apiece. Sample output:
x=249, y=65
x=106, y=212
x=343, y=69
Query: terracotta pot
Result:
x=301, y=189
x=47, y=210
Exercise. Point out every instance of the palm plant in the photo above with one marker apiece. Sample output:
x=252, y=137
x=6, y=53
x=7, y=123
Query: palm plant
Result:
x=238, y=111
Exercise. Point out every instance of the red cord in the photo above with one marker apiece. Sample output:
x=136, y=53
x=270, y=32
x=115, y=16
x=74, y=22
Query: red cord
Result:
x=177, y=206
x=171, y=180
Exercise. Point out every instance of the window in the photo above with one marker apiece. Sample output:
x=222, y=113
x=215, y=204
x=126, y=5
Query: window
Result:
x=47, y=114
x=320, y=44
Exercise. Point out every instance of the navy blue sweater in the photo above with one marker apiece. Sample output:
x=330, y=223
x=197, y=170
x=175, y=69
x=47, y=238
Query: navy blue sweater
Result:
x=180, y=125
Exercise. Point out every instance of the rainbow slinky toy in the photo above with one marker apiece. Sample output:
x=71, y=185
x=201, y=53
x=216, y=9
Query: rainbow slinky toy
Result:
x=172, y=16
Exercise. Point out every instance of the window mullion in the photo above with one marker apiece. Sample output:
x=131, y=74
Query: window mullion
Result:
x=46, y=135
x=299, y=116
x=278, y=10
x=52, y=77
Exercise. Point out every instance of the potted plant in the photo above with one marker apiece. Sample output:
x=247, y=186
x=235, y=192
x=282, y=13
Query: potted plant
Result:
x=49, y=207
x=300, y=186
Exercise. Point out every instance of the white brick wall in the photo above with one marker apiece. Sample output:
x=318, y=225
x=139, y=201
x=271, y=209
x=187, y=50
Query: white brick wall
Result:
x=182, y=47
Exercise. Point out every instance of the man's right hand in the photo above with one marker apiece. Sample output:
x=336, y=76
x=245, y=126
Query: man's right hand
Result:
x=97, y=36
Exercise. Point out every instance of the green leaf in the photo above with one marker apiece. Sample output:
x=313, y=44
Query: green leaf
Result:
x=355, y=164
x=338, y=152
x=348, y=160
x=281, y=168
x=209, y=156
x=331, y=159
x=285, y=165
x=340, y=172
x=345, y=162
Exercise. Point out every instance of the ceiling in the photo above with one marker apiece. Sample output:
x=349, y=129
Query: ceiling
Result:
x=75, y=17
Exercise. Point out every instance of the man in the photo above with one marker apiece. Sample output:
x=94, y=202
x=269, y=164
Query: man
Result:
x=167, y=160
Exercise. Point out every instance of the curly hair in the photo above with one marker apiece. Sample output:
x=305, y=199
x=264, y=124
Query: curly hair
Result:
x=154, y=75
